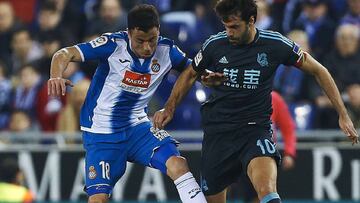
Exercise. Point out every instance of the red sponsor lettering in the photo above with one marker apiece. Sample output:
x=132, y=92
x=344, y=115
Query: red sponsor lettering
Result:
x=136, y=79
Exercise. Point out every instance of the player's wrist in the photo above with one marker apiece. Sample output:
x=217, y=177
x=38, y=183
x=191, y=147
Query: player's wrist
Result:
x=170, y=108
x=53, y=78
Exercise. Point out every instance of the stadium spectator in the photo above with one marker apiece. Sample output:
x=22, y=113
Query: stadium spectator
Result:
x=20, y=121
x=50, y=43
x=314, y=20
x=5, y=96
x=264, y=20
x=353, y=15
x=294, y=85
x=27, y=91
x=73, y=17
x=69, y=117
x=8, y=24
x=49, y=23
x=112, y=18
x=11, y=178
x=24, y=50
x=343, y=63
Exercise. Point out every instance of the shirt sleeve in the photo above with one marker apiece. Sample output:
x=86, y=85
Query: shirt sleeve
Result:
x=99, y=48
x=178, y=58
x=293, y=54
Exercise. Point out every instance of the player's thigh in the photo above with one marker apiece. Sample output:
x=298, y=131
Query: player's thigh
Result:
x=145, y=142
x=105, y=163
x=217, y=198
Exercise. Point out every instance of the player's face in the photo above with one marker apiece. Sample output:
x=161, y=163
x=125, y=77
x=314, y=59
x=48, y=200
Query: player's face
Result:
x=144, y=43
x=237, y=30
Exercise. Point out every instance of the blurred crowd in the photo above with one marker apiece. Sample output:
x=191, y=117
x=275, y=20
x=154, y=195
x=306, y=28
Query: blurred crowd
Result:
x=31, y=31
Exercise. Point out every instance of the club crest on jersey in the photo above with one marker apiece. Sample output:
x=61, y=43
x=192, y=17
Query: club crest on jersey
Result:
x=92, y=172
x=98, y=41
x=262, y=59
x=155, y=66
x=135, y=82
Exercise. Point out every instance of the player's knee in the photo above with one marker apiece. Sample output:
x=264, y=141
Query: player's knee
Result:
x=98, y=198
x=176, y=166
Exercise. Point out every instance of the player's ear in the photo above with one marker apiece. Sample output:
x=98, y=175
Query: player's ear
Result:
x=252, y=20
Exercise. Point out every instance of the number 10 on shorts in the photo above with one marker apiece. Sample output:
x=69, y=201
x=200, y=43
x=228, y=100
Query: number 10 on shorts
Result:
x=105, y=168
x=269, y=147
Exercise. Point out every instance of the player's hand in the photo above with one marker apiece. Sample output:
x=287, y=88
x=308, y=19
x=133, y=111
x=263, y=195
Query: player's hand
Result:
x=162, y=118
x=288, y=162
x=57, y=86
x=211, y=79
x=347, y=127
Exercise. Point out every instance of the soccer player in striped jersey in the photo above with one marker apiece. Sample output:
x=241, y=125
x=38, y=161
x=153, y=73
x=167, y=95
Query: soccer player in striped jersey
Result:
x=236, y=118
x=113, y=117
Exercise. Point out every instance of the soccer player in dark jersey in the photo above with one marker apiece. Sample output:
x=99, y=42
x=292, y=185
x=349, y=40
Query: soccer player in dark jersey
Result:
x=236, y=118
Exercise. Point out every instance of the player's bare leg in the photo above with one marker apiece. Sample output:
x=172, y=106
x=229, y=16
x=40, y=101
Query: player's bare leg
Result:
x=188, y=188
x=99, y=198
x=218, y=198
x=262, y=172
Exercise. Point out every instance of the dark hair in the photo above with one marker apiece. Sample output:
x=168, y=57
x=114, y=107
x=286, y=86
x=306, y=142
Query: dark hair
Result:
x=48, y=6
x=143, y=17
x=9, y=168
x=242, y=8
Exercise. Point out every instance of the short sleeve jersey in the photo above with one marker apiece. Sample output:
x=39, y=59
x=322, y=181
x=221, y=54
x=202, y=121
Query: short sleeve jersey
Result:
x=245, y=97
x=123, y=84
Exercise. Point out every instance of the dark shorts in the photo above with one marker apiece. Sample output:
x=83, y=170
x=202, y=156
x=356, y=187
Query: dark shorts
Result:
x=225, y=156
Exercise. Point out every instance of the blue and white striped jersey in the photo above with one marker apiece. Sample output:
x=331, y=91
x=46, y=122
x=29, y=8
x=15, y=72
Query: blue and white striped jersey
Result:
x=123, y=84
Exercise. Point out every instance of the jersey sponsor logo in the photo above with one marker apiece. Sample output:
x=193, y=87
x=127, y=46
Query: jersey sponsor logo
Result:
x=159, y=134
x=136, y=79
x=135, y=82
x=155, y=66
x=98, y=41
x=232, y=74
x=198, y=58
x=250, y=78
x=223, y=60
x=92, y=172
x=262, y=59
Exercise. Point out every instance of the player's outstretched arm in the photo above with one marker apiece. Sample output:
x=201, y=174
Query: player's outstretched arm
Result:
x=57, y=84
x=185, y=81
x=323, y=77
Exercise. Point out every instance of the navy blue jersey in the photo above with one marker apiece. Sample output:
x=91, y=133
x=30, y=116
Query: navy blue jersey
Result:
x=245, y=98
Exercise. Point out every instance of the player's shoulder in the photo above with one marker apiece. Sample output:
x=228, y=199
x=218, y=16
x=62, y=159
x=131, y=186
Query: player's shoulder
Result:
x=274, y=38
x=214, y=40
x=164, y=41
